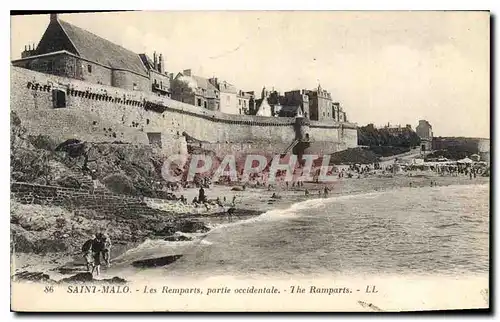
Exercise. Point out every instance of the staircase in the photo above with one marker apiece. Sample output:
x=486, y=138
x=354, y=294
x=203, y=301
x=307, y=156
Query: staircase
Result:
x=291, y=146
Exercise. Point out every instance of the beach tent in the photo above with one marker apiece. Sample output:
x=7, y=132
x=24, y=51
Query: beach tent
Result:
x=465, y=160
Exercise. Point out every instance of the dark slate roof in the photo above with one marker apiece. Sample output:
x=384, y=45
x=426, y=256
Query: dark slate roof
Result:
x=203, y=82
x=147, y=61
x=102, y=51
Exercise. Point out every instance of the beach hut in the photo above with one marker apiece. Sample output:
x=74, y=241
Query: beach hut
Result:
x=465, y=160
x=475, y=157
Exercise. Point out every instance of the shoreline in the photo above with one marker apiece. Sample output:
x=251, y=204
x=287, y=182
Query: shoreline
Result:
x=250, y=203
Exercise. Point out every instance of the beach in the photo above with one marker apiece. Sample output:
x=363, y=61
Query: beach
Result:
x=249, y=203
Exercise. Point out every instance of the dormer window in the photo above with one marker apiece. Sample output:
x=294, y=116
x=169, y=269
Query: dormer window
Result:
x=89, y=68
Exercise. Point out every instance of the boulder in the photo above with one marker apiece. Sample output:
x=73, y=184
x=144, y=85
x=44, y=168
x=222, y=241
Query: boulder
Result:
x=80, y=277
x=175, y=238
x=32, y=277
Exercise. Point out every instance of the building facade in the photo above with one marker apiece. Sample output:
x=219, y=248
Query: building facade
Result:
x=320, y=105
x=228, y=96
x=69, y=51
x=198, y=91
x=424, y=131
x=294, y=100
x=244, y=102
x=159, y=78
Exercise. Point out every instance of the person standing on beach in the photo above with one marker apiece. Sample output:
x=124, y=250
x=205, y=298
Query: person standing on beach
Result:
x=201, y=195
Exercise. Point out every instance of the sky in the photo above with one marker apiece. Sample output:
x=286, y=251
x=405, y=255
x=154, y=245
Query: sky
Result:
x=383, y=67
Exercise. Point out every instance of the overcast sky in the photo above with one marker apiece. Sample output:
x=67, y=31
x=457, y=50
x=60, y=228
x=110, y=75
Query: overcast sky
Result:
x=395, y=67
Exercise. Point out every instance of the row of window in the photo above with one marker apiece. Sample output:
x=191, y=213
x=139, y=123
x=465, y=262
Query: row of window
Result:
x=204, y=103
x=328, y=114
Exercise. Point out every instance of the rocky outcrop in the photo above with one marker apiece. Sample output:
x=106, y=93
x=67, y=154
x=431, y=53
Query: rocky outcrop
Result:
x=39, y=277
x=156, y=262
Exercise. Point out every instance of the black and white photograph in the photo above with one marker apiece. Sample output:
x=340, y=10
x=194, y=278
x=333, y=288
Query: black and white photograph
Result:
x=229, y=161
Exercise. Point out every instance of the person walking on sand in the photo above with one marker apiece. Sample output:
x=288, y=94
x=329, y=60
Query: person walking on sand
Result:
x=97, y=248
x=87, y=254
x=106, y=251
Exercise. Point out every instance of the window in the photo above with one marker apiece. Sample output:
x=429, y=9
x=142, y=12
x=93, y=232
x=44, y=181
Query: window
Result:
x=89, y=68
x=205, y=104
x=199, y=101
x=59, y=98
x=228, y=99
x=49, y=66
x=323, y=113
x=239, y=103
x=134, y=86
x=244, y=103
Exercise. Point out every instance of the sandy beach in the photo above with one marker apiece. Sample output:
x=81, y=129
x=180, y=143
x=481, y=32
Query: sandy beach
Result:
x=249, y=203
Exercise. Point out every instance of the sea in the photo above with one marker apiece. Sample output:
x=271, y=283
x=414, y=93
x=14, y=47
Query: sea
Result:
x=407, y=231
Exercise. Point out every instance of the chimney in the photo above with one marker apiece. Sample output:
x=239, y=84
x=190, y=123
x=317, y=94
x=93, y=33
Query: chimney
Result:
x=53, y=17
x=187, y=72
x=27, y=51
x=155, y=61
x=161, y=64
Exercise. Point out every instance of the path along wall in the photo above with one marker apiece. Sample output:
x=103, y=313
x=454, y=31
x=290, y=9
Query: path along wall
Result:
x=102, y=113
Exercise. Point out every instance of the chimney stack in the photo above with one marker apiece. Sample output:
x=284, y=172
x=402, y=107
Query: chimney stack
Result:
x=187, y=72
x=161, y=64
x=155, y=61
x=53, y=17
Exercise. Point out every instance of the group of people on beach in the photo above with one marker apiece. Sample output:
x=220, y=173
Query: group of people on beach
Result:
x=94, y=249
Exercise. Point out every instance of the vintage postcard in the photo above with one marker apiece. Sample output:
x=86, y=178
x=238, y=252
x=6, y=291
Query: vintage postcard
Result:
x=250, y=161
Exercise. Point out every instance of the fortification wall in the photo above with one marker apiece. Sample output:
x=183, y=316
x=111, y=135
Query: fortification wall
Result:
x=80, y=199
x=103, y=113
